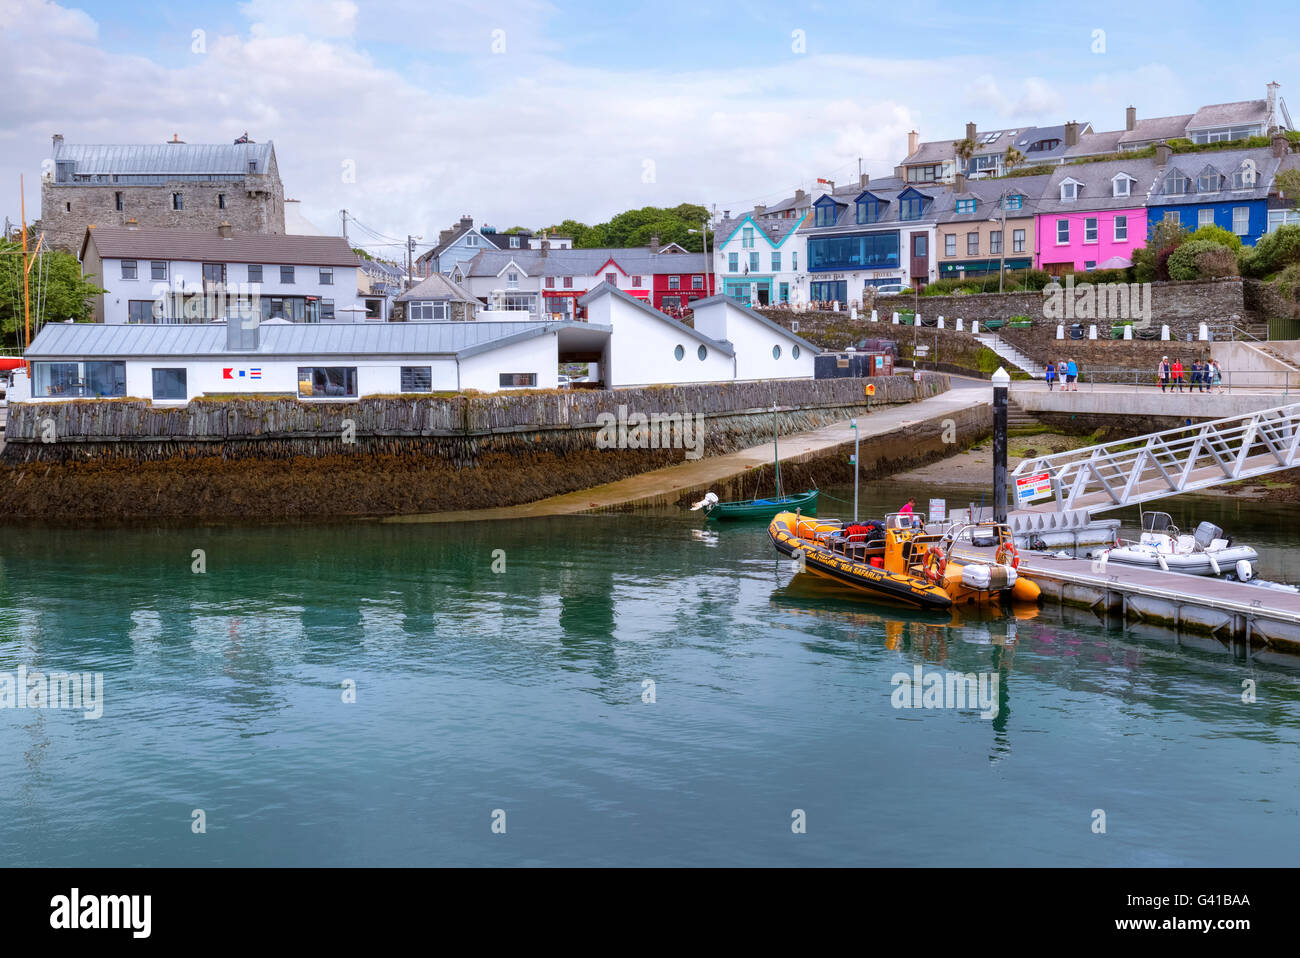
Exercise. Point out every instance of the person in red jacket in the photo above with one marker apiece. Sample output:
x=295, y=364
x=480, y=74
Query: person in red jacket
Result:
x=1178, y=374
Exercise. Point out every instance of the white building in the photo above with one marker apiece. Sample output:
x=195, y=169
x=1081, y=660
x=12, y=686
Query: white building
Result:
x=187, y=276
x=757, y=257
x=764, y=349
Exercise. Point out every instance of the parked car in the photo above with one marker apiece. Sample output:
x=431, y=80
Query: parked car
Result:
x=565, y=381
x=893, y=289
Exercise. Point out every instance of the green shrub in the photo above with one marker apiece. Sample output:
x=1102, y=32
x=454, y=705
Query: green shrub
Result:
x=1182, y=261
x=1217, y=234
x=1216, y=263
x=1288, y=282
x=1276, y=250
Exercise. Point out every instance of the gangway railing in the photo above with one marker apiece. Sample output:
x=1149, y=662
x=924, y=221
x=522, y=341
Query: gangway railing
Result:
x=1118, y=474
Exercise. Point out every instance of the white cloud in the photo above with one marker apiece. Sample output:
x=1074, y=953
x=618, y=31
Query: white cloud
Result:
x=323, y=18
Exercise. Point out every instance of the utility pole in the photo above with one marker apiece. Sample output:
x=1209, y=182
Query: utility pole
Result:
x=345, y=224
x=410, y=248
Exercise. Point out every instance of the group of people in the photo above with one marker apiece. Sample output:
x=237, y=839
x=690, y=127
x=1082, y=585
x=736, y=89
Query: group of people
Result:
x=1203, y=375
x=1065, y=371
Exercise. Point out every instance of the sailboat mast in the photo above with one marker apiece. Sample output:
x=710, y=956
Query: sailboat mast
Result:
x=776, y=452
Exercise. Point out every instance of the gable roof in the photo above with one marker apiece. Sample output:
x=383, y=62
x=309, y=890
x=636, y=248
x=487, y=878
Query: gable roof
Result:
x=1229, y=114
x=164, y=159
x=1156, y=128
x=635, y=261
x=434, y=288
x=888, y=191
x=1226, y=163
x=119, y=242
x=775, y=230
x=1095, y=191
x=756, y=316
x=604, y=289
x=987, y=193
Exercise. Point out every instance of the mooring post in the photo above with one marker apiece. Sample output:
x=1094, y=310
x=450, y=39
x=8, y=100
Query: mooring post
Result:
x=1001, y=382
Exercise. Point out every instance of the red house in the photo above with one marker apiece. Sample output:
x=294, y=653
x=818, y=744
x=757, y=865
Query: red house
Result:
x=680, y=278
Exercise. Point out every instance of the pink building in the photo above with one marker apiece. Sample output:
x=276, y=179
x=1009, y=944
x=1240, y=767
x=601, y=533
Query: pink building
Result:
x=1092, y=216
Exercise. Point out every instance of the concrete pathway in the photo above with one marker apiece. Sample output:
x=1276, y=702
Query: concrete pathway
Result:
x=701, y=473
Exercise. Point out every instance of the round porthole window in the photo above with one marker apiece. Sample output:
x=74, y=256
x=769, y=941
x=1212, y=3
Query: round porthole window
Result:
x=679, y=352
x=794, y=351
x=776, y=352
x=701, y=352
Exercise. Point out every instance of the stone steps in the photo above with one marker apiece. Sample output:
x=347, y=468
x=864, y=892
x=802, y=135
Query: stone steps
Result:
x=1012, y=355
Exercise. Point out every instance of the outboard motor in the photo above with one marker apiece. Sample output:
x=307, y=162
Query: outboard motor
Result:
x=1206, y=533
x=1244, y=571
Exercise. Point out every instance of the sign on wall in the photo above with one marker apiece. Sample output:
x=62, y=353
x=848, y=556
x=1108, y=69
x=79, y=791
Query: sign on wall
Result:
x=1033, y=488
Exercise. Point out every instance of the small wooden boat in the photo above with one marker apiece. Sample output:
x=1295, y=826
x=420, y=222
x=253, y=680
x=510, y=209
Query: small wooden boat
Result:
x=760, y=508
x=900, y=562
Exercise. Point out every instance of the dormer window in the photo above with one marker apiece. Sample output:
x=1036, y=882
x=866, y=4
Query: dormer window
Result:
x=1176, y=183
x=827, y=214
x=1243, y=179
x=911, y=205
x=1208, y=183
x=965, y=206
x=1122, y=185
x=1013, y=202
x=868, y=211
x=1069, y=191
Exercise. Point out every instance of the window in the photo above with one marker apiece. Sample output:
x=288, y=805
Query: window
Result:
x=320, y=382
x=221, y=201
x=214, y=273
x=514, y=242
x=776, y=262
x=747, y=240
x=1208, y=183
x=679, y=352
x=667, y=301
x=1173, y=216
x=1243, y=179
x=550, y=282
x=1069, y=191
x=1013, y=202
x=611, y=278
x=117, y=201
x=1241, y=220
x=326, y=310
x=1018, y=241
x=128, y=269
x=995, y=242
x=733, y=262
x=417, y=379
x=252, y=166
x=508, y=380
x=674, y=282
x=326, y=276
x=79, y=380
x=471, y=239
x=1176, y=183
x=753, y=262
x=965, y=206
x=1062, y=231
x=1089, y=265
x=868, y=211
x=169, y=384
x=568, y=282
x=1205, y=217
x=158, y=269
x=931, y=173
x=697, y=282
x=827, y=214
x=1090, y=229
x=919, y=246
x=949, y=244
x=427, y=311
x=636, y=282
x=254, y=274
x=794, y=261
x=512, y=280
x=1121, y=186
x=702, y=353
x=177, y=202
x=869, y=251
x=972, y=244
x=139, y=311
x=68, y=207
x=1121, y=229
x=776, y=352
x=794, y=351
x=286, y=274
x=911, y=208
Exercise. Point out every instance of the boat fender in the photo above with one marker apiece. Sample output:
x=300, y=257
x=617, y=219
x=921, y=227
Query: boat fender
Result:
x=1244, y=572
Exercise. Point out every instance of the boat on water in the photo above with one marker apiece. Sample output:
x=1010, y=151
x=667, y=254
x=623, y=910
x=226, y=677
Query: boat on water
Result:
x=1204, y=552
x=898, y=561
x=805, y=502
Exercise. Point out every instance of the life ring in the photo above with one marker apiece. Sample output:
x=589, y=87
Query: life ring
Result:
x=1007, y=548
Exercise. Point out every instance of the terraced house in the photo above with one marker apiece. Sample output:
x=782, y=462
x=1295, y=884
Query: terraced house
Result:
x=1229, y=189
x=987, y=225
x=759, y=254
x=871, y=234
x=1093, y=215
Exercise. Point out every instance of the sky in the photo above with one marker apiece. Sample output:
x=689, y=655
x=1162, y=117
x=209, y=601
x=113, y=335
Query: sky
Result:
x=527, y=112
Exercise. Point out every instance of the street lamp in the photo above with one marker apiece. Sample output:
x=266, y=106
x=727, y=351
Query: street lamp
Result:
x=710, y=280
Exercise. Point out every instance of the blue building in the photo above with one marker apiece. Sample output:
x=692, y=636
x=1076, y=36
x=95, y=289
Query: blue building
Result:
x=1229, y=190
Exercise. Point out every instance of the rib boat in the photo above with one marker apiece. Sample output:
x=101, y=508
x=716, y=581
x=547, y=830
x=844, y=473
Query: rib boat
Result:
x=898, y=561
x=1205, y=552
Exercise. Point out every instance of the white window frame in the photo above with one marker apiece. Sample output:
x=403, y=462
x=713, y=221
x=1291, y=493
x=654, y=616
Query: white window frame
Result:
x=1121, y=228
x=1126, y=184
x=1204, y=218
x=1066, y=224
x=1091, y=229
x=1241, y=220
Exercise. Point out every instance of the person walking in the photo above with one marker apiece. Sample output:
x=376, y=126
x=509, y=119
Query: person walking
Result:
x=1216, y=373
x=1162, y=372
x=1194, y=375
x=1176, y=371
x=1049, y=373
x=1071, y=376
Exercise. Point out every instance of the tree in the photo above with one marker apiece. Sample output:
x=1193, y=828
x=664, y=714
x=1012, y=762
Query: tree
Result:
x=58, y=290
x=1013, y=158
x=637, y=227
x=1288, y=183
x=964, y=149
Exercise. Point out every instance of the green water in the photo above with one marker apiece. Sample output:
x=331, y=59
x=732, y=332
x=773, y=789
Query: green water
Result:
x=523, y=691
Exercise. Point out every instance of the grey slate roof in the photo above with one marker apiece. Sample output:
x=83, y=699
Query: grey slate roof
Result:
x=758, y=317
x=182, y=159
x=1157, y=128
x=1229, y=114
x=119, y=242
x=1095, y=193
x=1034, y=134
x=435, y=288
x=1225, y=163
x=97, y=340
x=888, y=191
x=986, y=194
x=604, y=289
x=774, y=228
x=933, y=151
x=636, y=260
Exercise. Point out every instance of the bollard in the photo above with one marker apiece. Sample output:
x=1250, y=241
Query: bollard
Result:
x=959, y=327
x=895, y=319
x=1060, y=331
x=1128, y=330
x=940, y=322
x=1092, y=332
x=1164, y=333
x=974, y=326
x=1204, y=335
x=873, y=316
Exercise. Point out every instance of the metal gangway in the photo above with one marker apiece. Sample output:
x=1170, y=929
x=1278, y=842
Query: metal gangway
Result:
x=1159, y=464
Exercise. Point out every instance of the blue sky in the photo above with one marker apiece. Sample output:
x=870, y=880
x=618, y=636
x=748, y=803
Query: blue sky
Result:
x=594, y=108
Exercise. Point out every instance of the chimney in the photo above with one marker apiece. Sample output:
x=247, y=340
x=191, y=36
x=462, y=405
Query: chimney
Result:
x=58, y=141
x=830, y=186
x=1163, y=153
x=467, y=221
x=959, y=184
x=1281, y=146
x=726, y=214
x=1131, y=119
x=799, y=197
x=1072, y=133
x=1272, y=104
x=759, y=210
x=913, y=142
x=900, y=172
x=654, y=242
x=970, y=131
x=224, y=230
x=176, y=139
x=863, y=180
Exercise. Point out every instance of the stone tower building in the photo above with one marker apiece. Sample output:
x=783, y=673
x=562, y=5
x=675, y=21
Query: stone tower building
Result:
x=172, y=184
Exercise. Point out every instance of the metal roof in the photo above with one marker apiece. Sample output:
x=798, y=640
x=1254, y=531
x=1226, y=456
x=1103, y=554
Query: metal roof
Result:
x=182, y=159
x=208, y=340
x=756, y=316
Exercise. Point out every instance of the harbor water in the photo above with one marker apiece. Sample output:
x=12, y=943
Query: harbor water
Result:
x=631, y=689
